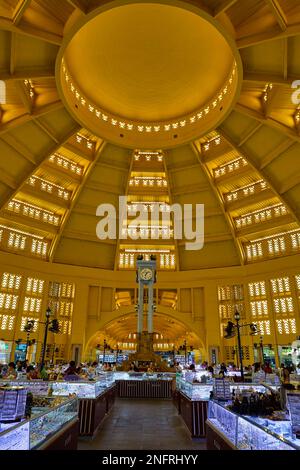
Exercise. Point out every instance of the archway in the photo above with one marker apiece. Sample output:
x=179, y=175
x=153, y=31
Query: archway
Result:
x=118, y=328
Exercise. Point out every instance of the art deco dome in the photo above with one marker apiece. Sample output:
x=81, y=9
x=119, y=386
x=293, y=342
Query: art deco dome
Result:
x=168, y=101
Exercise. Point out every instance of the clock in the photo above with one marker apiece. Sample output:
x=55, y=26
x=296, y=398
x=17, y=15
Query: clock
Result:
x=146, y=274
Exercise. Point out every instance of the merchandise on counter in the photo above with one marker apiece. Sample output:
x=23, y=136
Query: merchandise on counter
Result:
x=293, y=403
x=249, y=433
x=194, y=391
x=255, y=403
x=14, y=437
x=12, y=403
x=221, y=389
x=45, y=422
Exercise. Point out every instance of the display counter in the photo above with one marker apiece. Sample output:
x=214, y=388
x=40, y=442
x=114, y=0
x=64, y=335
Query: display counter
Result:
x=227, y=430
x=95, y=397
x=144, y=385
x=191, y=399
x=52, y=427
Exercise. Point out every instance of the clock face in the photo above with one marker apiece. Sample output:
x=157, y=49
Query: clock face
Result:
x=146, y=274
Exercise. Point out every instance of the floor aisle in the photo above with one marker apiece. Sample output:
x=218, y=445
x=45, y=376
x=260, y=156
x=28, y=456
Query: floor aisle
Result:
x=143, y=424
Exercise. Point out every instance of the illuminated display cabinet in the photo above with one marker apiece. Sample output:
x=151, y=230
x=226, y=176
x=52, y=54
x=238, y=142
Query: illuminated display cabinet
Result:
x=54, y=428
x=95, y=398
x=227, y=430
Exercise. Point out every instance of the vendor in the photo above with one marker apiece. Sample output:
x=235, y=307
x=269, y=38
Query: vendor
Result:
x=31, y=373
x=150, y=368
x=11, y=372
x=71, y=372
x=133, y=367
x=285, y=375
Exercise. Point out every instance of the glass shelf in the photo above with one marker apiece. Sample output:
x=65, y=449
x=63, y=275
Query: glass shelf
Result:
x=194, y=391
x=144, y=376
x=252, y=433
x=45, y=423
x=81, y=388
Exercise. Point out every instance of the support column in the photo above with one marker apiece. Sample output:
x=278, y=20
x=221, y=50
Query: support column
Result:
x=150, y=308
x=141, y=308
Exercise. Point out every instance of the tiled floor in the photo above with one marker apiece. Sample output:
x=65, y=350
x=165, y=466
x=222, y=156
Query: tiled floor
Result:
x=143, y=424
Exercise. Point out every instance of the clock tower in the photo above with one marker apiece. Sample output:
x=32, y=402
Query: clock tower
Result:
x=146, y=276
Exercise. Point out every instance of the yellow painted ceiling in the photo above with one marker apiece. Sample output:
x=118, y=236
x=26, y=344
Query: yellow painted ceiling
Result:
x=121, y=330
x=149, y=62
x=50, y=164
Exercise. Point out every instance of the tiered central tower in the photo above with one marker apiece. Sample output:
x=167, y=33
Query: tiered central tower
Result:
x=148, y=198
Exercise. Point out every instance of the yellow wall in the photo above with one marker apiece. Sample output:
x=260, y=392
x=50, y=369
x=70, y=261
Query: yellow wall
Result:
x=197, y=297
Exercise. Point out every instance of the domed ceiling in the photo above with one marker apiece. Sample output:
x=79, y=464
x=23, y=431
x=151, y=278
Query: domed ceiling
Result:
x=192, y=106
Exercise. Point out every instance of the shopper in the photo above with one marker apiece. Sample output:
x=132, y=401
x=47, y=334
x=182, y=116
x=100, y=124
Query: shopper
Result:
x=31, y=373
x=178, y=367
x=267, y=368
x=133, y=367
x=71, y=373
x=11, y=372
x=150, y=368
x=285, y=375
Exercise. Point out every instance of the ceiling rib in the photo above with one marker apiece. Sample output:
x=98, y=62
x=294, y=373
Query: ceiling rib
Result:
x=218, y=195
x=251, y=160
x=127, y=190
x=12, y=62
x=288, y=131
x=27, y=73
x=8, y=180
x=52, y=149
x=46, y=5
x=278, y=151
x=10, y=140
x=247, y=41
x=67, y=215
x=285, y=64
x=78, y=5
x=28, y=30
x=24, y=95
x=278, y=13
x=223, y=7
x=19, y=11
x=27, y=117
x=46, y=130
x=263, y=78
x=250, y=133
x=40, y=226
x=175, y=241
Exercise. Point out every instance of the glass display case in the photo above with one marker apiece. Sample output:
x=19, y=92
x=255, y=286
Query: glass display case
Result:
x=144, y=376
x=251, y=433
x=36, y=387
x=12, y=403
x=84, y=388
x=81, y=388
x=194, y=391
x=44, y=424
x=14, y=436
